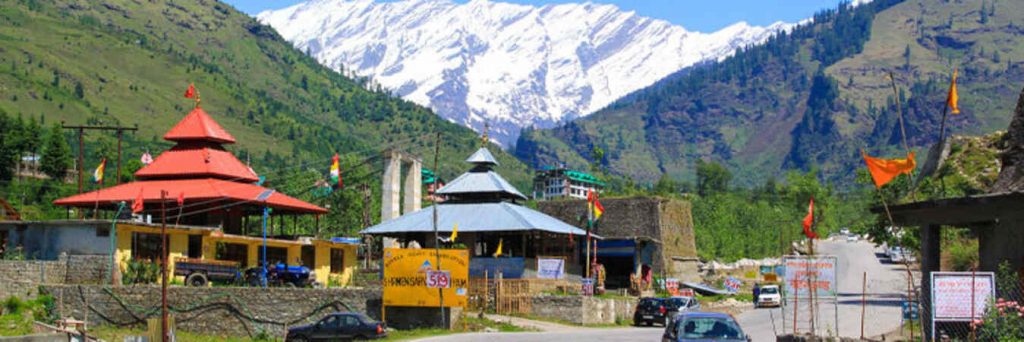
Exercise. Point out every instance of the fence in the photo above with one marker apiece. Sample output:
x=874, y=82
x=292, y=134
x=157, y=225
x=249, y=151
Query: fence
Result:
x=513, y=296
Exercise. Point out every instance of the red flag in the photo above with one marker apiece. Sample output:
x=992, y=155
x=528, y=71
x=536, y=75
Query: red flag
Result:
x=191, y=91
x=137, y=203
x=809, y=220
x=181, y=199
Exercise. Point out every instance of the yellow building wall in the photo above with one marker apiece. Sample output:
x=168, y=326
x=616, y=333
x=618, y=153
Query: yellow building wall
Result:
x=294, y=255
x=124, y=249
x=254, y=255
x=322, y=263
x=177, y=248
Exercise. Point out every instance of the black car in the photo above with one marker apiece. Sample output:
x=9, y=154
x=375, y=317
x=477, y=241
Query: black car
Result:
x=650, y=310
x=339, y=326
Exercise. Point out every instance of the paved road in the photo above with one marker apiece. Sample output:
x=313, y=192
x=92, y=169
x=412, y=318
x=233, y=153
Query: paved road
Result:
x=887, y=284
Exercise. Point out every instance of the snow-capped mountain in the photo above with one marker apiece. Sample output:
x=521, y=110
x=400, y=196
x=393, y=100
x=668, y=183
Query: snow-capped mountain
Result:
x=508, y=65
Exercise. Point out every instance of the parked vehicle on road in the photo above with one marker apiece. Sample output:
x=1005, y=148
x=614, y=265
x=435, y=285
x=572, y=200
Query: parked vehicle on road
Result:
x=650, y=310
x=339, y=326
x=704, y=326
x=282, y=275
x=770, y=296
x=198, y=272
x=900, y=255
x=676, y=305
x=852, y=237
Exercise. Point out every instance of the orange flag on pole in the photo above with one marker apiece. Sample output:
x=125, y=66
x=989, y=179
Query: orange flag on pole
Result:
x=884, y=170
x=953, y=99
x=809, y=221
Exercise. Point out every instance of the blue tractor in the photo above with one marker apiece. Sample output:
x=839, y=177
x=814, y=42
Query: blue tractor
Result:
x=280, y=274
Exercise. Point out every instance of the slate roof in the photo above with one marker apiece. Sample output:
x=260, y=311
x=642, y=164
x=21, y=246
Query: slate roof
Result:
x=475, y=217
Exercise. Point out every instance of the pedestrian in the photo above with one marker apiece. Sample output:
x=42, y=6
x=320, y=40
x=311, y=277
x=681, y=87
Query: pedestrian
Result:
x=757, y=291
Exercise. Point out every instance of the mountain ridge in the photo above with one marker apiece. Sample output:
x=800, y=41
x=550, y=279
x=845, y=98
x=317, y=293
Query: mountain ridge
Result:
x=508, y=65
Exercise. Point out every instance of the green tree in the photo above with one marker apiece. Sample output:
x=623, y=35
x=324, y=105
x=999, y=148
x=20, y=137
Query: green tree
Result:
x=712, y=178
x=666, y=186
x=79, y=91
x=984, y=12
x=56, y=157
x=8, y=147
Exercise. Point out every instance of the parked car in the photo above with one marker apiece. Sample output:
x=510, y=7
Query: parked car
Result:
x=899, y=255
x=676, y=305
x=201, y=272
x=852, y=238
x=769, y=296
x=339, y=326
x=704, y=326
x=650, y=310
x=282, y=275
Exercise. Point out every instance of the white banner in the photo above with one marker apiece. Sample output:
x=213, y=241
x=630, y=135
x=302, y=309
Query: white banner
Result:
x=951, y=294
x=803, y=273
x=550, y=268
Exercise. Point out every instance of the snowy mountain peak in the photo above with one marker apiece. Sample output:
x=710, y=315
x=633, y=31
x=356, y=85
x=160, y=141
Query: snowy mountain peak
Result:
x=509, y=65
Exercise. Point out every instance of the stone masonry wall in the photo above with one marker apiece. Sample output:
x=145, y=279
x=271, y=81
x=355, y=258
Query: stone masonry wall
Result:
x=218, y=311
x=583, y=310
x=21, y=278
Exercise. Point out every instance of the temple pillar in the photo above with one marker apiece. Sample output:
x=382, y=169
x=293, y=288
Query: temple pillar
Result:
x=931, y=253
x=390, y=187
x=413, y=197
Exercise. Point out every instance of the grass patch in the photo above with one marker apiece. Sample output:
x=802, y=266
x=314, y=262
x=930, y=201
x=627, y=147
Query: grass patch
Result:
x=110, y=333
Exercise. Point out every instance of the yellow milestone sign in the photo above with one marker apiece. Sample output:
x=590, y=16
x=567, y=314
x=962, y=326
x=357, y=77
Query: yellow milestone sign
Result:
x=406, y=282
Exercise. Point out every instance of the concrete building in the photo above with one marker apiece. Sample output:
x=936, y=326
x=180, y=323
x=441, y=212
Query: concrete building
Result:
x=637, y=231
x=559, y=183
x=996, y=218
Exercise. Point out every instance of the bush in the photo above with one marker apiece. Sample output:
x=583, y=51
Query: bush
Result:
x=141, y=272
x=13, y=305
x=963, y=255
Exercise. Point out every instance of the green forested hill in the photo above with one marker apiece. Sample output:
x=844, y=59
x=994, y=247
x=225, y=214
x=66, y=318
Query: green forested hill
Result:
x=128, y=62
x=811, y=98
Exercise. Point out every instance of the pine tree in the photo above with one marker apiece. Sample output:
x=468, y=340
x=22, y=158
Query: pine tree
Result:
x=8, y=153
x=56, y=158
x=984, y=12
x=79, y=91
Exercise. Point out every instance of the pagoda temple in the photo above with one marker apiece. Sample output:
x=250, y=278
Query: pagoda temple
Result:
x=218, y=189
x=219, y=195
x=487, y=210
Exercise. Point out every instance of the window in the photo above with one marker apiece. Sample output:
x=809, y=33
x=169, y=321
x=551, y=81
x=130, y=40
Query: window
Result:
x=337, y=260
x=349, y=322
x=274, y=255
x=195, y=246
x=329, y=322
x=233, y=252
x=146, y=246
x=102, y=231
x=308, y=254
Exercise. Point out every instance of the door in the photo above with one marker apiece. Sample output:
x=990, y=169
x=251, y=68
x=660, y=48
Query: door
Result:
x=326, y=329
x=349, y=327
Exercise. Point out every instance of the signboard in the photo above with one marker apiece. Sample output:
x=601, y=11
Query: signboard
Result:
x=510, y=268
x=672, y=286
x=802, y=273
x=732, y=284
x=588, y=287
x=411, y=277
x=951, y=294
x=439, y=279
x=910, y=310
x=550, y=268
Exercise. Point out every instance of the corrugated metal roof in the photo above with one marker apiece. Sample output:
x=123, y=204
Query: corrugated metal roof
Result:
x=198, y=125
x=480, y=182
x=475, y=217
x=482, y=156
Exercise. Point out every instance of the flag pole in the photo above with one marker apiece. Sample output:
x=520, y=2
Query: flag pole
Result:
x=903, y=129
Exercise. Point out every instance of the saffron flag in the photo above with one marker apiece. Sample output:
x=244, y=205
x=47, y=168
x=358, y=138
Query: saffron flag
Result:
x=137, y=203
x=191, y=91
x=952, y=100
x=809, y=221
x=97, y=176
x=455, y=233
x=181, y=199
x=497, y=253
x=595, y=205
x=336, y=173
x=884, y=171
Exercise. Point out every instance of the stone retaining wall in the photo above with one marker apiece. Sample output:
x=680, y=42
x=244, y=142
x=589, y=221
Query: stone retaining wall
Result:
x=583, y=310
x=237, y=311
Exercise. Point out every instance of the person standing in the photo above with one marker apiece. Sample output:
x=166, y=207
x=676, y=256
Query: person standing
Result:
x=757, y=292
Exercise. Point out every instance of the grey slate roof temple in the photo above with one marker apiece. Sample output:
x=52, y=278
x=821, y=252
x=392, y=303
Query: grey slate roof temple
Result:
x=479, y=200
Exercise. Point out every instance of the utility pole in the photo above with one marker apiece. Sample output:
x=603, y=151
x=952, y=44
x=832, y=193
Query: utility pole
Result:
x=366, y=223
x=437, y=242
x=81, y=146
x=164, y=337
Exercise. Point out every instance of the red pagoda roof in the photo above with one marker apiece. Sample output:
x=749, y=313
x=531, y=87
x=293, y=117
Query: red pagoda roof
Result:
x=195, y=190
x=197, y=162
x=198, y=125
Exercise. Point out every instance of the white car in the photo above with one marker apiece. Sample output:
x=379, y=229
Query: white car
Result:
x=769, y=296
x=852, y=238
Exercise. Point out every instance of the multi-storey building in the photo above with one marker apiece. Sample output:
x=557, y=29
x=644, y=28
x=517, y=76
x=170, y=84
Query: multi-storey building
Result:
x=552, y=183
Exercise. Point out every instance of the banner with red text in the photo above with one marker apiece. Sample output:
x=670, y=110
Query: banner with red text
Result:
x=803, y=273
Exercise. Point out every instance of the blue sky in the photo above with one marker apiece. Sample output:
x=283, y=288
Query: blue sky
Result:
x=698, y=15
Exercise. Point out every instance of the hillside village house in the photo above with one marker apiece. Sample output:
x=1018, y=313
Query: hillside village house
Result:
x=220, y=197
